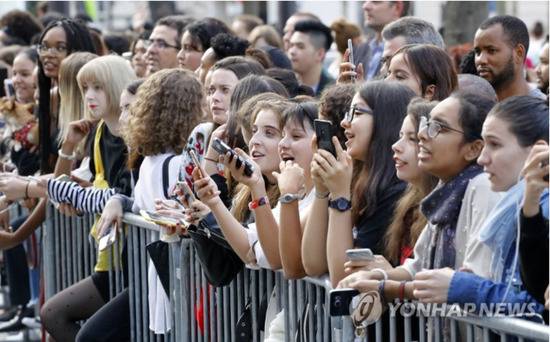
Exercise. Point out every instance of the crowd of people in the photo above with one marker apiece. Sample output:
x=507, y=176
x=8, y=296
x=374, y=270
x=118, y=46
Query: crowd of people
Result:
x=439, y=168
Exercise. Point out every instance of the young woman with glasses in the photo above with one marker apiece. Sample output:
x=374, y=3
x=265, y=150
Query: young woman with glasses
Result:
x=450, y=143
x=357, y=189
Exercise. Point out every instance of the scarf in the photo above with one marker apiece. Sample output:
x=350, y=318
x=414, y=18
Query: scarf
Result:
x=499, y=231
x=442, y=208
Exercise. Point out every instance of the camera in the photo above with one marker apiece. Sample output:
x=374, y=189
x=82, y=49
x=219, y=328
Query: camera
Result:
x=340, y=300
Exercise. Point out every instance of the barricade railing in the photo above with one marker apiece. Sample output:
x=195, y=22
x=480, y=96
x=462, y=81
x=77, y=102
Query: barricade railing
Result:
x=201, y=312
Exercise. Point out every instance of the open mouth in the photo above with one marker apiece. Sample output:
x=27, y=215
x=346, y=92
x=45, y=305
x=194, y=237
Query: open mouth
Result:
x=256, y=154
x=287, y=158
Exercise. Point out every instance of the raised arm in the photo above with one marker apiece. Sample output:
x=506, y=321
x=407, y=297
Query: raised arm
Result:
x=314, y=241
x=291, y=182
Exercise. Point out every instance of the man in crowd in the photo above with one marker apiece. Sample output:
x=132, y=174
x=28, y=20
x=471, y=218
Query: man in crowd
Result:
x=164, y=43
x=542, y=70
x=308, y=46
x=500, y=46
x=377, y=14
x=404, y=31
x=288, y=30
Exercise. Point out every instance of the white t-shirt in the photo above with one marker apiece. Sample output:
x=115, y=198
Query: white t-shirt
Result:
x=252, y=231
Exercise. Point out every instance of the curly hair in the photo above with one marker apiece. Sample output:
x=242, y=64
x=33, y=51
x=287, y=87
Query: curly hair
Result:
x=21, y=25
x=167, y=108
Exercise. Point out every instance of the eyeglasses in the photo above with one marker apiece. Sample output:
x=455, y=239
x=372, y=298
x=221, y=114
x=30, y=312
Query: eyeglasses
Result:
x=56, y=50
x=356, y=109
x=434, y=127
x=159, y=43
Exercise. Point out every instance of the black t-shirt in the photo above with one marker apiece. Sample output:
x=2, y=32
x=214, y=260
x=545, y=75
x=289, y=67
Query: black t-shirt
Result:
x=114, y=155
x=371, y=229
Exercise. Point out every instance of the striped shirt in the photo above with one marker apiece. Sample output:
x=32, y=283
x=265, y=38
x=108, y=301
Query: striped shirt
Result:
x=89, y=200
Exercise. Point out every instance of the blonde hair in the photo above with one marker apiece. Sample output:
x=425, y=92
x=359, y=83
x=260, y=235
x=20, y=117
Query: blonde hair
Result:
x=71, y=103
x=167, y=108
x=112, y=73
x=265, y=101
x=268, y=33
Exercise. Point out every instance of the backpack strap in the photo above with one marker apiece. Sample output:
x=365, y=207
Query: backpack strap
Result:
x=165, y=175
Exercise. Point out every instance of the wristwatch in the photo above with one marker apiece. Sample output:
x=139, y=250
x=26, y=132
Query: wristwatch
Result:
x=341, y=204
x=289, y=198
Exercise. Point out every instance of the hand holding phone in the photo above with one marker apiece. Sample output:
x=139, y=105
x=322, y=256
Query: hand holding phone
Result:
x=360, y=254
x=183, y=189
x=222, y=148
x=108, y=237
x=195, y=160
x=324, y=131
x=158, y=219
x=340, y=300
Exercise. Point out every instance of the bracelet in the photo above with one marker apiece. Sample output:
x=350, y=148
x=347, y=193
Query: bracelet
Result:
x=322, y=195
x=27, y=189
x=211, y=159
x=384, y=274
x=66, y=156
x=258, y=203
x=381, y=291
x=402, y=290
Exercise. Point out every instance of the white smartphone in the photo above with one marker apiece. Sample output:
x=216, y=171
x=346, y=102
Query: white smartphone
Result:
x=108, y=239
x=360, y=254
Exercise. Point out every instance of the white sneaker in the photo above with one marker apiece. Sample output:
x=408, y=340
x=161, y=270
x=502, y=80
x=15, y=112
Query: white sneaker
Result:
x=32, y=322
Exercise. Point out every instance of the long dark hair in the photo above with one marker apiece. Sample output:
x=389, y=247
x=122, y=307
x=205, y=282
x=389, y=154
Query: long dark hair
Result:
x=78, y=39
x=376, y=173
x=432, y=65
x=408, y=222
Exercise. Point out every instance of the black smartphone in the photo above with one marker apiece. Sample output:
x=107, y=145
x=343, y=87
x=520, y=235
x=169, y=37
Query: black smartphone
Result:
x=325, y=131
x=340, y=300
x=223, y=148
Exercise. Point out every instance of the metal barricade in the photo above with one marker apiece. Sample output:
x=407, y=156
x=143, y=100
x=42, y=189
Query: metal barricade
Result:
x=201, y=312
x=68, y=255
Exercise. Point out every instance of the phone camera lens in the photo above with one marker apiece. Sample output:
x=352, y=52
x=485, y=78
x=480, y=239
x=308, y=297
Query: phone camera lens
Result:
x=337, y=302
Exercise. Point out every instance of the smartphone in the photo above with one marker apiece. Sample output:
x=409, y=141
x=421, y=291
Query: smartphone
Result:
x=158, y=219
x=360, y=254
x=108, y=238
x=340, y=300
x=188, y=195
x=8, y=87
x=223, y=148
x=325, y=131
x=195, y=160
x=351, y=58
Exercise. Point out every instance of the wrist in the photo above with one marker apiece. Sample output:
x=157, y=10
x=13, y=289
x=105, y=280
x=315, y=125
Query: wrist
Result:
x=340, y=193
x=258, y=189
x=68, y=146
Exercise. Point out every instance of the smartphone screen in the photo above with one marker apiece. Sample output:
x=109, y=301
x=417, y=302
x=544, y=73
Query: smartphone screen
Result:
x=324, y=132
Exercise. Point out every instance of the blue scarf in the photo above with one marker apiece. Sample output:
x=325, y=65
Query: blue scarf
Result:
x=442, y=207
x=499, y=231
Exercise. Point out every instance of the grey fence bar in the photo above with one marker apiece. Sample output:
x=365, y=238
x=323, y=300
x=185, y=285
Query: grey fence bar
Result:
x=201, y=312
